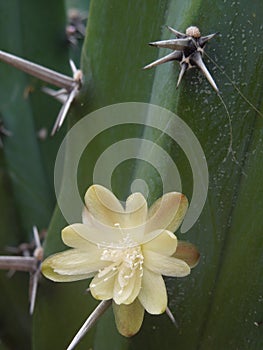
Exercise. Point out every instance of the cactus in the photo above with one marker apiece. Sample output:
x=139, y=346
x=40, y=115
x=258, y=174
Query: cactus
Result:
x=220, y=304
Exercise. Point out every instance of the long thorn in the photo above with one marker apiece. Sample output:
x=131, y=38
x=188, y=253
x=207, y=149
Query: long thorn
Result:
x=91, y=320
x=18, y=263
x=60, y=95
x=171, y=316
x=173, y=44
x=64, y=110
x=182, y=71
x=73, y=67
x=197, y=59
x=33, y=290
x=175, y=55
x=178, y=34
x=38, y=71
x=36, y=237
x=34, y=278
x=205, y=39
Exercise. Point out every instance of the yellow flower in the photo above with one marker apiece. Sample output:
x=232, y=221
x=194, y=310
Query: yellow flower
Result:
x=126, y=251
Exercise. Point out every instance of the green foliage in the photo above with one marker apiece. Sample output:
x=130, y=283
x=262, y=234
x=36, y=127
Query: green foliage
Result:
x=27, y=196
x=220, y=304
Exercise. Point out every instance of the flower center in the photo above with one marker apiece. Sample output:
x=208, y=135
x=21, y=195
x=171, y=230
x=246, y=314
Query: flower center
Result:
x=126, y=262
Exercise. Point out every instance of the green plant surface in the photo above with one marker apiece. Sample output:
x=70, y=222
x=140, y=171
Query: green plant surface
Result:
x=30, y=160
x=15, y=320
x=26, y=188
x=50, y=314
x=221, y=301
x=223, y=295
x=81, y=5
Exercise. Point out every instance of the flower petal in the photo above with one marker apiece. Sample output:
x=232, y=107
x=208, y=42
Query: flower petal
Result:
x=128, y=293
x=167, y=212
x=165, y=243
x=75, y=263
x=101, y=288
x=153, y=296
x=136, y=210
x=128, y=318
x=72, y=239
x=49, y=272
x=99, y=234
x=187, y=252
x=121, y=294
x=87, y=218
x=165, y=265
x=104, y=206
x=136, y=288
x=87, y=232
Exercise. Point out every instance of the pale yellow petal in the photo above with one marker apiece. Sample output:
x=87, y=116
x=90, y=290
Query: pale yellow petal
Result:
x=128, y=293
x=49, y=273
x=165, y=243
x=167, y=212
x=136, y=288
x=121, y=294
x=72, y=238
x=153, y=296
x=101, y=288
x=164, y=265
x=128, y=318
x=74, y=262
x=88, y=232
x=98, y=234
x=187, y=252
x=136, y=210
x=87, y=218
x=104, y=206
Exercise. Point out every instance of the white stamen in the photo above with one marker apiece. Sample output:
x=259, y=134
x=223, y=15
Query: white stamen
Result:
x=125, y=261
